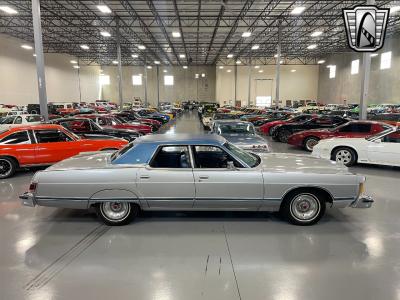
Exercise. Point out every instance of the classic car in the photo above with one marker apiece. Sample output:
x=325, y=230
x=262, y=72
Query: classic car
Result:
x=151, y=114
x=88, y=129
x=18, y=120
x=208, y=119
x=242, y=134
x=44, y=144
x=380, y=149
x=282, y=132
x=268, y=128
x=271, y=117
x=355, y=129
x=187, y=172
x=132, y=116
x=110, y=121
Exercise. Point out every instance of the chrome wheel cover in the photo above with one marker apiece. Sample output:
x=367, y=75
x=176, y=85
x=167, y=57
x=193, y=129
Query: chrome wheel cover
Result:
x=311, y=143
x=343, y=156
x=115, y=211
x=305, y=207
x=5, y=168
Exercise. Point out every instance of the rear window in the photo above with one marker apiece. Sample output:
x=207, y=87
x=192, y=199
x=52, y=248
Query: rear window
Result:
x=16, y=138
x=37, y=118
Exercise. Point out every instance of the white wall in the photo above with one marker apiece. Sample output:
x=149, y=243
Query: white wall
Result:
x=18, y=80
x=186, y=86
x=299, y=85
x=384, y=85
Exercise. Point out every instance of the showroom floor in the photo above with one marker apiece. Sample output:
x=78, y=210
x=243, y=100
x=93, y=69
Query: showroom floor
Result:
x=48, y=253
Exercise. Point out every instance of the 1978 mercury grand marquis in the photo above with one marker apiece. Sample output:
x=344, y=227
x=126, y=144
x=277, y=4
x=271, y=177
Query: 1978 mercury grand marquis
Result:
x=186, y=172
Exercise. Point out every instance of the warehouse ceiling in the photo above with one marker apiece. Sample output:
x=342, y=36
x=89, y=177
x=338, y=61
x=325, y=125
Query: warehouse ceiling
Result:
x=209, y=30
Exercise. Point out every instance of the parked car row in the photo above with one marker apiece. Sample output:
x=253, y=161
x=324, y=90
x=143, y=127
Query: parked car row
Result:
x=26, y=142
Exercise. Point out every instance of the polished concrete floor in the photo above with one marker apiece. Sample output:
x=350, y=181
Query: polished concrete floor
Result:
x=48, y=253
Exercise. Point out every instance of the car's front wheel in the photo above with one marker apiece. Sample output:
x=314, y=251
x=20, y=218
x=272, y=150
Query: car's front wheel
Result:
x=345, y=156
x=303, y=208
x=8, y=167
x=117, y=213
x=283, y=135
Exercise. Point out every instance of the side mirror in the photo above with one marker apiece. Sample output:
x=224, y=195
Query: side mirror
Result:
x=231, y=165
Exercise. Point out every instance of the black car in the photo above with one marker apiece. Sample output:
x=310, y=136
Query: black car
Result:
x=88, y=129
x=282, y=132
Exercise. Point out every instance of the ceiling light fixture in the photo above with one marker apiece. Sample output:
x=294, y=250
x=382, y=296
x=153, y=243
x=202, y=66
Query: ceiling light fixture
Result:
x=8, y=10
x=27, y=47
x=85, y=47
x=115, y=62
x=185, y=67
x=203, y=75
x=104, y=9
x=246, y=34
x=228, y=71
x=221, y=67
x=149, y=67
x=293, y=70
x=105, y=33
x=255, y=47
x=374, y=54
x=196, y=75
x=256, y=67
x=165, y=71
x=238, y=62
x=76, y=67
x=316, y=33
x=182, y=55
x=281, y=62
x=297, y=10
x=313, y=46
x=176, y=34
x=141, y=47
x=260, y=71
x=135, y=56
x=320, y=62
x=157, y=62
x=229, y=56
x=73, y=61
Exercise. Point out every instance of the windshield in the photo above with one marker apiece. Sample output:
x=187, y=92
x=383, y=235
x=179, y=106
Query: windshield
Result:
x=248, y=158
x=240, y=128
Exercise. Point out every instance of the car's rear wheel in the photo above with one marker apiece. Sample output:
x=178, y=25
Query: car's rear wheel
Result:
x=310, y=142
x=283, y=135
x=8, y=166
x=303, y=208
x=345, y=156
x=117, y=213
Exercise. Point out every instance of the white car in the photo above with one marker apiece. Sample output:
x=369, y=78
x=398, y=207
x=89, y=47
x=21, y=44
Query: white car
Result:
x=18, y=120
x=380, y=149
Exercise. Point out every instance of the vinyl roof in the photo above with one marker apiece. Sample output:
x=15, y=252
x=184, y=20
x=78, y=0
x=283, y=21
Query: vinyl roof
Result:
x=209, y=29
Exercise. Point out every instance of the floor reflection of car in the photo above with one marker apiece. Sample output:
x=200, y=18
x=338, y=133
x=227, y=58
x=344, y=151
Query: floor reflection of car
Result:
x=381, y=149
x=44, y=144
x=188, y=172
x=241, y=134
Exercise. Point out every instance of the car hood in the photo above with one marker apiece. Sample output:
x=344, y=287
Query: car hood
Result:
x=295, y=163
x=84, y=160
x=244, y=139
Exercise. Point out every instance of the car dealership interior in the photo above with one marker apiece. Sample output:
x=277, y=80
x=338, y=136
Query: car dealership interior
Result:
x=199, y=149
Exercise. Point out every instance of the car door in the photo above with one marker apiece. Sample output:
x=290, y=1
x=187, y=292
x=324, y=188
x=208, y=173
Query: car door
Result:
x=220, y=187
x=19, y=144
x=167, y=181
x=54, y=145
x=385, y=150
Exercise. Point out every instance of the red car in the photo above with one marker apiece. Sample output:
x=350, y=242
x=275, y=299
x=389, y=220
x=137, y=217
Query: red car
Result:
x=112, y=122
x=355, y=129
x=45, y=144
x=268, y=127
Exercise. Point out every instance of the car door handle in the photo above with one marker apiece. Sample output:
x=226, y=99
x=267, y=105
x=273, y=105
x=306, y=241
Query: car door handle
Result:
x=144, y=177
x=203, y=177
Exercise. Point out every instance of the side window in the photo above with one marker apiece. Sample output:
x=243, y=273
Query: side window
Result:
x=16, y=138
x=51, y=136
x=361, y=128
x=212, y=157
x=394, y=137
x=171, y=157
x=18, y=120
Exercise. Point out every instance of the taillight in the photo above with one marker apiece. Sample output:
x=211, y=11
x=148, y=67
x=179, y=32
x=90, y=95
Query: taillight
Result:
x=32, y=187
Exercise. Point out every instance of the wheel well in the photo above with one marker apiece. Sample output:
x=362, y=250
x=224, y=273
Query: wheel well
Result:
x=310, y=136
x=344, y=147
x=309, y=189
x=11, y=157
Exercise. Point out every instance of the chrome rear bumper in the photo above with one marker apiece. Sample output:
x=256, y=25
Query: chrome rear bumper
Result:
x=28, y=199
x=363, y=201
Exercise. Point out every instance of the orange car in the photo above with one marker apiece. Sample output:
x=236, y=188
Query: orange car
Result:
x=44, y=144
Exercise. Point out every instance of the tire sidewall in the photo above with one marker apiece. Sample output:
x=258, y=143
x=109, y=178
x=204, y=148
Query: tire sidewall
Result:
x=286, y=209
x=132, y=213
x=283, y=134
x=308, y=139
x=352, y=152
x=13, y=166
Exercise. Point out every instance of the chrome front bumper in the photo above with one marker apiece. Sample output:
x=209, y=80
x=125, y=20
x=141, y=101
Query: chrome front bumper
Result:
x=28, y=199
x=363, y=201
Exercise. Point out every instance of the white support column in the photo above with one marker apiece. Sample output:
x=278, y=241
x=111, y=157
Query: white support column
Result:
x=249, y=87
x=145, y=81
x=158, y=88
x=278, y=66
x=235, y=86
x=37, y=32
x=120, y=96
x=365, y=71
